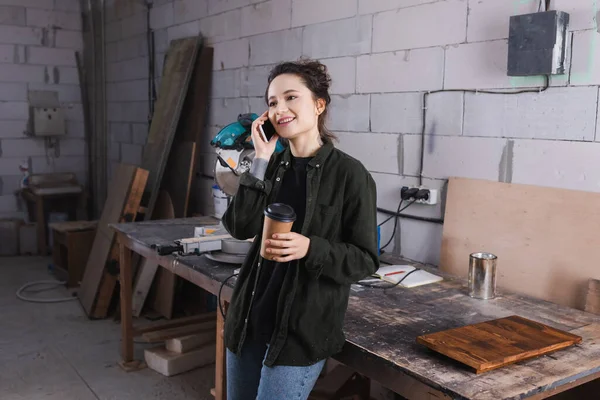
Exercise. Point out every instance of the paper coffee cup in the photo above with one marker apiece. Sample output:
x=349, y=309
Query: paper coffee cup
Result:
x=279, y=218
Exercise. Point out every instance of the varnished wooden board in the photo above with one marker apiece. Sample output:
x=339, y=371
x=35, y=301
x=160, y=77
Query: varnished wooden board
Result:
x=546, y=239
x=493, y=344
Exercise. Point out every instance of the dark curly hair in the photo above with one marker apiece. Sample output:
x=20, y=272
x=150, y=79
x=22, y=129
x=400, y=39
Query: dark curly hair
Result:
x=315, y=76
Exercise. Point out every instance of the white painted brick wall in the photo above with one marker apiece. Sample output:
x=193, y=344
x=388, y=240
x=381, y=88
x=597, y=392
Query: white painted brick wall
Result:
x=135, y=25
x=585, y=69
x=421, y=241
x=270, y=16
x=343, y=74
x=162, y=16
x=14, y=110
x=227, y=83
x=11, y=15
x=232, y=54
x=12, y=128
x=75, y=129
x=348, y=37
x=119, y=132
x=184, y=30
x=222, y=27
x=225, y=111
x=219, y=6
x=377, y=151
x=131, y=153
x=59, y=19
x=411, y=28
x=8, y=203
x=67, y=5
x=69, y=39
x=66, y=75
x=445, y=114
x=134, y=47
x=255, y=80
x=489, y=19
x=304, y=12
x=189, y=10
x=271, y=48
x=66, y=93
x=257, y=105
x=561, y=113
x=136, y=90
x=42, y=4
x=411, y=154
x=401, y=71
x=13, y=91
x=10, y=165
x=23, y=147
x=139, y=133
x=51, y=56
x=20, y=35
x=396, y=112
x=72, y=147
x=582, y=13
x=569, y=165
x=481, y=66
x=447, y=156
x=375, y=6
x=349, y=113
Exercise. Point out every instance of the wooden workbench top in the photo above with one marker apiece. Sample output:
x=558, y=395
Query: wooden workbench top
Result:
x=381, y=328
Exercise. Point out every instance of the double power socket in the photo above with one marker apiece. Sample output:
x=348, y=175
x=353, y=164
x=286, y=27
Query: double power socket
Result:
x=419, y=194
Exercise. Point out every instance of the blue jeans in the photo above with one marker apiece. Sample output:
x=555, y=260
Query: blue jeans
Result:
x=249, y=379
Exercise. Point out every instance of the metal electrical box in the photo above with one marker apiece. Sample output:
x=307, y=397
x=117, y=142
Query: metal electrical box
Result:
x=537, y=43
x=47, y=116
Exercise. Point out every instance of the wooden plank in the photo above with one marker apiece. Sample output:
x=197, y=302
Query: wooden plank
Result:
x=179, y=64
x=592, y=303
x=165, y=334
x=545, y=238
x=188, y=343
x=168, y=363
x=161, y=298
x=119, y=190
x=126, y=320
x=142, y=286
x=162, y=325
x=111, y=271
x=73, y=226
x=494, y=344
x=220, y=358
x=179, y=174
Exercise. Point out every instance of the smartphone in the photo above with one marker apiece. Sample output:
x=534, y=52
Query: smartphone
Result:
x=267, y=130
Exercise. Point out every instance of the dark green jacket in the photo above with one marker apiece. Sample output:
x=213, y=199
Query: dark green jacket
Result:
x=341, y=222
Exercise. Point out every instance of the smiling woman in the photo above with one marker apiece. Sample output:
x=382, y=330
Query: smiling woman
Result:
x=287, y=311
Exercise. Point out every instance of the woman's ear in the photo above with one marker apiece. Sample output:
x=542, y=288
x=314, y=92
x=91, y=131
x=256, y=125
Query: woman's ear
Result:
x=320, y=106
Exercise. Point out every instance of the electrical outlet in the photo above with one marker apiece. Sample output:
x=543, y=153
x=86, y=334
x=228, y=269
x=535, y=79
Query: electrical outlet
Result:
x=419, y=194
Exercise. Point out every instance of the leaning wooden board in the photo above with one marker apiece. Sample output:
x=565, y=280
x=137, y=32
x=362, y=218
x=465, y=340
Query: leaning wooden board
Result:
x=546, y=239
x=122, y=203
x=493, y=344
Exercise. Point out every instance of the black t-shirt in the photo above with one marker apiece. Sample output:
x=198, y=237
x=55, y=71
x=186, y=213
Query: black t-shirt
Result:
x=264, y=308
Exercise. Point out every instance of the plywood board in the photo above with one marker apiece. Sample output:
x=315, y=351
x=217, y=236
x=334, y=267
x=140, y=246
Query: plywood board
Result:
x=546, y=239
x=493, y=344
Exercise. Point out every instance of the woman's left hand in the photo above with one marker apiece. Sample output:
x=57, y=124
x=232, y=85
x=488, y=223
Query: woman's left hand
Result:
x=287, y=246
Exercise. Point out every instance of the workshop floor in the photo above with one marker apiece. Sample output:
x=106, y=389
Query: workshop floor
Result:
x=52, y=351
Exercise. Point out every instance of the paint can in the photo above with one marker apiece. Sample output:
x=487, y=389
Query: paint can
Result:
x=482, y=275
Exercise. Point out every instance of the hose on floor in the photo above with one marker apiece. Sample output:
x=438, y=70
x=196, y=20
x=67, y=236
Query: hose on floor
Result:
x=36, y=300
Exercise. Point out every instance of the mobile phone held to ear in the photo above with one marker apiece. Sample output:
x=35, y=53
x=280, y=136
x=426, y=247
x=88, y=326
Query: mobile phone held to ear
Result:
x=267, y=130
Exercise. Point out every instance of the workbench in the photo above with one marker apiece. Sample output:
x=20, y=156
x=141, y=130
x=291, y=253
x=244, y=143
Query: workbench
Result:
x=381, y=327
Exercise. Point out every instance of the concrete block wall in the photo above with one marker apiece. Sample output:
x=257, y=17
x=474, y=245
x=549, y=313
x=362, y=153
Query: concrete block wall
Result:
x=383, y=54
x=38, y=40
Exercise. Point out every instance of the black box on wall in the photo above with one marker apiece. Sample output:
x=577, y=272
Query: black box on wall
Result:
x=537, y=43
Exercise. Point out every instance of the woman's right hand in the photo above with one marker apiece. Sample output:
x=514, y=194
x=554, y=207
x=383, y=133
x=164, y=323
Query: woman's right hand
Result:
x=262, y=149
